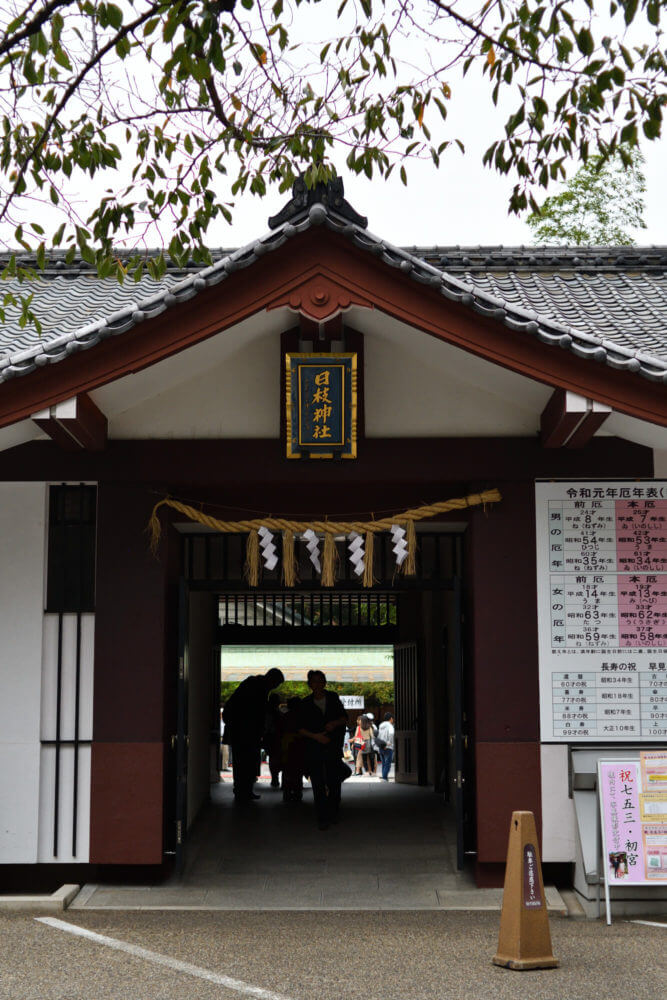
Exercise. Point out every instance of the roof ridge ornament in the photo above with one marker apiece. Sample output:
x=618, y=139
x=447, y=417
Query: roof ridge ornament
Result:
x=330, y=194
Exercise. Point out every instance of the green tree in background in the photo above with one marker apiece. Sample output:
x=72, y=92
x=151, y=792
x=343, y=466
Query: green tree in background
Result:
x=600, y=206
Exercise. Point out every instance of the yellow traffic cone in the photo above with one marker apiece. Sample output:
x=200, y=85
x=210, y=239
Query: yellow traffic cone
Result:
x=524, y=941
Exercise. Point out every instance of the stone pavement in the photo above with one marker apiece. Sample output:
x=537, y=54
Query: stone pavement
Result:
x=398, y=955
x=394, y=848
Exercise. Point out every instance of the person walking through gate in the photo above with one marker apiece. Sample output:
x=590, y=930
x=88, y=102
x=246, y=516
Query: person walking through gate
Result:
x=385, y=741
x=367, y=731
x=357, y=747
x=245, y=717
x=323, y=721
x=272, y=738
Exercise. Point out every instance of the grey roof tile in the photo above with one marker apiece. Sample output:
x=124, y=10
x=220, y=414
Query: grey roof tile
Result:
x=605, y=304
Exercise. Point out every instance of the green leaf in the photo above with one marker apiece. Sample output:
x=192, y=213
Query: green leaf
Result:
x=585, y=42
x=651, y=129
x=114, y=15
x=630, y=10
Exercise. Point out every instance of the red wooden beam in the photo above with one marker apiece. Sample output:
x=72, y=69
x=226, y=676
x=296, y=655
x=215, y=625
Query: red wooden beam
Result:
x=75, y=424
x=559, y=421
x=570, y=420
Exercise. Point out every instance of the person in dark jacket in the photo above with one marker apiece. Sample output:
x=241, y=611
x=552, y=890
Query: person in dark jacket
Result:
x=323, y=721
x=245, y=718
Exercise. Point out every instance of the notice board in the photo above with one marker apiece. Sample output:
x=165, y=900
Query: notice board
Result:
x=602, y=610
x=633, y=814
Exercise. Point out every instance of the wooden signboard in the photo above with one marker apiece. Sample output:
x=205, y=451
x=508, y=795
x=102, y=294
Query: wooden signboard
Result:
x=321, y=405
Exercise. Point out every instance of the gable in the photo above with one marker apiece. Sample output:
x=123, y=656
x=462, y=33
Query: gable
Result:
x=229, y=387
x=320, y=272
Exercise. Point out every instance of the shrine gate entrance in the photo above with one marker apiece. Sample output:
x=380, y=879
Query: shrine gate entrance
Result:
x=420, y=617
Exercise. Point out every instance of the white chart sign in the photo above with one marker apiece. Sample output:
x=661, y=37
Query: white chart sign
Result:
x=602, y=610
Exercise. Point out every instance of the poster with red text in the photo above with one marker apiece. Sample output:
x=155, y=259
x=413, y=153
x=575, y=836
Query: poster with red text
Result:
x=621, y=822
x=633, y=810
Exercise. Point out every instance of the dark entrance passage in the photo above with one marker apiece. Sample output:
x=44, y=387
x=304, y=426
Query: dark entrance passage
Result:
x=420, y=617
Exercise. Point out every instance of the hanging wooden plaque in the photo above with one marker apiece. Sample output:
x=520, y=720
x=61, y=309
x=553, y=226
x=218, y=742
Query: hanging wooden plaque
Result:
x=321, y=405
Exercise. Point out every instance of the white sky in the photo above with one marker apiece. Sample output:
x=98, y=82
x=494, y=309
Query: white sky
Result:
x=461, y=202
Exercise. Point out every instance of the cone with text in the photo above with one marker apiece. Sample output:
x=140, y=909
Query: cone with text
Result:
x=524, y=941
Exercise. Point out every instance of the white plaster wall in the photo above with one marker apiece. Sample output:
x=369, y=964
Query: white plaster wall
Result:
x=22, y=549
x=558, y=817
x=229, y=387
x=70, y=847
x=73, y=838
x=15, y=434
x=417, y=385
x=660, y=463
x=633, y=429
x=226, y=387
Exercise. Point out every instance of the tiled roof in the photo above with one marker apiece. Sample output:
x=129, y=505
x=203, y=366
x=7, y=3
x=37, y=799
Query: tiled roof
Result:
x=607, y=304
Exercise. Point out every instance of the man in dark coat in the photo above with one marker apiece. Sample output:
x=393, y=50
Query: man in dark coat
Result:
x=244, y=717
x=323, y=721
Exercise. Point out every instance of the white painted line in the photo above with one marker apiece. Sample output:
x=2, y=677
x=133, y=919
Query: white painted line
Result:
x=649, y=923
x=171, y=963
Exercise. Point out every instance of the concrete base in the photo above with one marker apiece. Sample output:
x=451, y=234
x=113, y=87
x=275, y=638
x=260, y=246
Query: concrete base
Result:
x=56, y=902
x=625, y=906
x=318, y=894
x=395, y=849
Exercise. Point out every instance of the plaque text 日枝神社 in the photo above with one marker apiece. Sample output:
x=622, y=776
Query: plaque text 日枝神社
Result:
x=321, y=405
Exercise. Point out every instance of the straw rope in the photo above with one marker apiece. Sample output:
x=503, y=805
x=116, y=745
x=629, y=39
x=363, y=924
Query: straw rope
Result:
x=406, y=518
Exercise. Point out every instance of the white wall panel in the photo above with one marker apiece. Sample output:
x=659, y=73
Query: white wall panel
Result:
x=72, y=842
x=22, y=547
x=19, y=790
x=558, y=819
x=228, y=387
x=416, y=385
x=68, y=676
x=15, y=434
x=67, y=684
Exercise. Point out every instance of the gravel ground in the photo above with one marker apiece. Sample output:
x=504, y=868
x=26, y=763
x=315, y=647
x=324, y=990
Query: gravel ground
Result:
x=325, y=956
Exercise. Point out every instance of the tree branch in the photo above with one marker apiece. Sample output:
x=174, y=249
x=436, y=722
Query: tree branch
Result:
x=70, y=91
x=32, y=27
x=527, y=60
x=216, y=100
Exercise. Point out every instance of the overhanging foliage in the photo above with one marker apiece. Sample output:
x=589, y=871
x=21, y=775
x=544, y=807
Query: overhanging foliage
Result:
x=163, y=99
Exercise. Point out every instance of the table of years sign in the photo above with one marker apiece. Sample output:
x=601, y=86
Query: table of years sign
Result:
x=602, y=610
